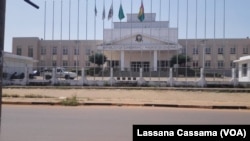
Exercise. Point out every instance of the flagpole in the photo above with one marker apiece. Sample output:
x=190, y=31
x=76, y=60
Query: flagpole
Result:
x=45, y=9
x=214, y=27
x=95, y=36
x=142, y=41
x=61, y=34
x=78, y=16
x=111, y=8
x=103, y=18
x=224, y=30
x=159, y=52
x=151, y=11
x=177, y=53
x=120, y=38
x=86, y=19
x=131, y=26
x=196, y=24
x=205, y=36
x=169, y=10
x=186, y=43
x=53, y=14
x=69, y=16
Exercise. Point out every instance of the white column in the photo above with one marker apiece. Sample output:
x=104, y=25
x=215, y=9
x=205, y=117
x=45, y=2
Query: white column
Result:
x=122, y=60
x=155, y=60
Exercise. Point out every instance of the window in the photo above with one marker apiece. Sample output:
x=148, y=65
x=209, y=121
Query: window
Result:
x=220, y=64
x=195, y=63
x=183, y=50
x=43, y=51
x=54, y=63
x=54, y=51
x=232, y=50
x=195, y=51
x=42, y=63
x=65, y=51
x=76, y=63
x=113, y=63
x=88, y=51
x=244, y=70
x=87, y=63
x=162, y=64
x=76, y=51
x=30, y=52
x=232, y=64
x=135, y=66
x=65, y=63
x=245, y=50
x=208, y=50
x=220, y=50
x=19, y=51
x=208, y=64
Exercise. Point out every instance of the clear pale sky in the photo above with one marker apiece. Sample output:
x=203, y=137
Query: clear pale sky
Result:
x=22, y=20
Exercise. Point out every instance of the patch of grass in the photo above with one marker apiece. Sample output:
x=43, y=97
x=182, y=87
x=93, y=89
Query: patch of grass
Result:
x=72, y=101
x=13, y=95
x=36, y=96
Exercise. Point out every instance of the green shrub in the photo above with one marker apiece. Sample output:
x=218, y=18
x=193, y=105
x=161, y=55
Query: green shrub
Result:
x=72, y=101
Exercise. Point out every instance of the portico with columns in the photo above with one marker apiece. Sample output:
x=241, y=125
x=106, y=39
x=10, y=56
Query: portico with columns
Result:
x=134, y=44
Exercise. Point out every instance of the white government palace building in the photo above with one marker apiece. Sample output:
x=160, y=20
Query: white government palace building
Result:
x=133, y=44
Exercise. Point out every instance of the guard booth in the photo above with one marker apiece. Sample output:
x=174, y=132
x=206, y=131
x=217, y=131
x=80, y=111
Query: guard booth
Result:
x=244, y=69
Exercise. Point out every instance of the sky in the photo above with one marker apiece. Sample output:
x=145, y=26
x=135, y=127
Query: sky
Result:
x=23, y=20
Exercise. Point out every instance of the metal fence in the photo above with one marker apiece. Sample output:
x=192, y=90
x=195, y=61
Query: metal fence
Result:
x=183, y=75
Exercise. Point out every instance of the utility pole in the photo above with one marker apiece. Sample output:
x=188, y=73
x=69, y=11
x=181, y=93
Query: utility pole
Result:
x=2, y=28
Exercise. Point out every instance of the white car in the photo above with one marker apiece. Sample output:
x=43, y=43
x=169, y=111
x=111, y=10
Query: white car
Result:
x=61, y=73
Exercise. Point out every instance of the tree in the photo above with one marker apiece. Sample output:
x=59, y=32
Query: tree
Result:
x=98, y=59
x=181, y=60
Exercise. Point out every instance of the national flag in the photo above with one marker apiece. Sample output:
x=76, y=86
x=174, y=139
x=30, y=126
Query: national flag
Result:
x=110, y=12
x=103, y=13
x=141, y=15
x=95, y=11
x=121, y=14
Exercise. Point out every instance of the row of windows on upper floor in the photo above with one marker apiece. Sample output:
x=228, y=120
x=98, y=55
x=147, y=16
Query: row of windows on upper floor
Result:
x=208, y=50
x=208, y=64
x=65, y=51
x=65, y=63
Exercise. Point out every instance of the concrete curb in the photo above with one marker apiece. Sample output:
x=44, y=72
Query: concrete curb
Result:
x=129, y=104
x=229, y=90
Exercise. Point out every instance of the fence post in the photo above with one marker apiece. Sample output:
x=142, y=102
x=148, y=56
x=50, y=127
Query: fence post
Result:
x=54, y=79
x=141, y=80
x=111, y=79
x=234, y=80
x=202, y=81
x=26, y=76
x=171, y=79
x=83, y=79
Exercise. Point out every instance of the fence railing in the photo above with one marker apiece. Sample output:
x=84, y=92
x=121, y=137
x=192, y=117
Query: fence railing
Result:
x=97, y=74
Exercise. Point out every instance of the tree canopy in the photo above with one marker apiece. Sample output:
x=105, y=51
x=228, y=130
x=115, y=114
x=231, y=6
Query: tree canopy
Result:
x=98, y=59
x=181, y=60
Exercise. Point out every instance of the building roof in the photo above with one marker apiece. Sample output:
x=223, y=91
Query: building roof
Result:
x=10, y=55
x=243, y=59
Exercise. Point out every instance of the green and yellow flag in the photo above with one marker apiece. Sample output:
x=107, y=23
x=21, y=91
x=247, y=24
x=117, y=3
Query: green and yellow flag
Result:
x=141, y=15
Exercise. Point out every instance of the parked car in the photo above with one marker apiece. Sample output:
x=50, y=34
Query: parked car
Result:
x=61, y=73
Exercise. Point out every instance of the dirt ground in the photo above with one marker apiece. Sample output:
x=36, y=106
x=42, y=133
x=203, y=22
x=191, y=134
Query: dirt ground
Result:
x=139, y=96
